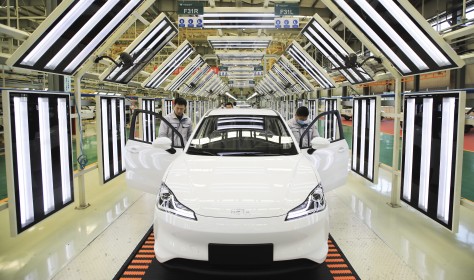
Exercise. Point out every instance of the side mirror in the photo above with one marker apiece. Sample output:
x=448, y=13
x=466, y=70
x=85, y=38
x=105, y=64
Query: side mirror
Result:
x=162, y=143
x=319, y=142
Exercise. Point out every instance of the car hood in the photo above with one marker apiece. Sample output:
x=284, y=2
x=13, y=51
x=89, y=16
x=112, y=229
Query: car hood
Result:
x=241, y=187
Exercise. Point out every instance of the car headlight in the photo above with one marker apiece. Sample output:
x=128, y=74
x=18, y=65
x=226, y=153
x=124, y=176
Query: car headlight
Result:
x=314, y=203
x=168, y=202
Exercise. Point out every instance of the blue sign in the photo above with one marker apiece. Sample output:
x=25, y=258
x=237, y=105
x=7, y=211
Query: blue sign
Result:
x=190, y=22
x=199, y=22
x=181, y=23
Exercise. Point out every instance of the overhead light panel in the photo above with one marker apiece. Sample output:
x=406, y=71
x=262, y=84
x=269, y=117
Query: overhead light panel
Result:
x=142, y=50
x=230, y=95
x=169, y=65
x=237, y=55
x=398, y=30
x=237, y=62
x=194, y=80
x=238, y=17
x=73, y=31
x=239, y=42
x=290, y=69
x=310, y=65
x=185, y=74
x=326, y=40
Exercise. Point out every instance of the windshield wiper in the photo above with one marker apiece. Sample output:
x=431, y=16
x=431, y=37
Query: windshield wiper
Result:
x=197, y=152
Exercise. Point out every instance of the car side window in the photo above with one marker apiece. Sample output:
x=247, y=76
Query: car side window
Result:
x=327, y=124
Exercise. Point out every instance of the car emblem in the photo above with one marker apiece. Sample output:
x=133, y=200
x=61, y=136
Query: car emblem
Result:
x=239, y=212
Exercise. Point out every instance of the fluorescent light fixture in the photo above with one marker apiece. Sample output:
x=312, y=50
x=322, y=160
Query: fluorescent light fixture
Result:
x=310, y=65
x=284, y=77
x=239, y=42
x=70, y=34
x=291, y=70
x=230, y=95
x=240, y=55
x=185, y=74
x=238, y=17
x=37, y=141
x=363, y=123
x=331, y=45
x=203, y=82
x=370, y=158
x=355, y=136
x=64, y=143
x=122, y=132
x=436, y=154
x=425, y=153
x=25, y=191
x=409, y=136
x=446, y=156
x=401, y=33
x=45, y=148
x=142, y=50
x=112, y=136
x=237, y=62
x=105, y=139
x=252, y=96
x=147, y=125
x=169, y=65
x=194, y=80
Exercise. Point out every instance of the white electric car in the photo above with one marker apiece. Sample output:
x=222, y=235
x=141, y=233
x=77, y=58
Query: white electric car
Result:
x=241, y=193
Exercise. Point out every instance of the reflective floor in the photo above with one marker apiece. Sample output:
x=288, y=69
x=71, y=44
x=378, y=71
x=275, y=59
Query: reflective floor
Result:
x=380, y=242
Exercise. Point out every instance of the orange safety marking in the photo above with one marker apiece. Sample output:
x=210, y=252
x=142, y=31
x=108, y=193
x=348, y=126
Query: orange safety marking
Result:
x=128, y=278
x=344, y=278
x=148, y=246
x=337, y=265
x=334, y=255
x=127, y=272
x=332, y=250
x=144, y=256
x=141, y=261
x=331, y=246
x=341, y=271
x=143, y=267
x=149, y=242
x=146, y=251
x=334, y=260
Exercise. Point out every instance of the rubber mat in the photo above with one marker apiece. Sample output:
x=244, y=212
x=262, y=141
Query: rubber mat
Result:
x=142, y=264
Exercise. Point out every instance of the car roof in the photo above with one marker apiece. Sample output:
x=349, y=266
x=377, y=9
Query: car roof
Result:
x=243, y=111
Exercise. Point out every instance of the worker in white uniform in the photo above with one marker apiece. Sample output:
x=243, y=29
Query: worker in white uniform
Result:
x=179, y=120
x=299, y=123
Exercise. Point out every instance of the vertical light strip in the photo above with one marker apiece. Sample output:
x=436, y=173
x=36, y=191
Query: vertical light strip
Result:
x=425, y=153
x=149, y=123
x=45, y=148
x=362, y=136
x=113, y=106
x=122, y=132
x=153, y=120
x=105, y=139
x=371, y=139
x=447, y=135
x=326, y=119
x=64, y=150
x=23, y=158
x=409, y=141
x=143, y=128
x=355, y=121
x=334, y=121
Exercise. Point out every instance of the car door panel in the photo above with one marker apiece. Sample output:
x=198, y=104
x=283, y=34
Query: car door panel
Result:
x=146, y=164
x=332, y=161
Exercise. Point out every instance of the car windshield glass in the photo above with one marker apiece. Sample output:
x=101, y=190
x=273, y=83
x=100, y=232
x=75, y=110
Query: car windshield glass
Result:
x=242, y=135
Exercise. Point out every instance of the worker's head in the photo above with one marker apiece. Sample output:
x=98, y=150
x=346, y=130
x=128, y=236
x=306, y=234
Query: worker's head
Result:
x=179, y=106
x=301, y=115
x=229, y=105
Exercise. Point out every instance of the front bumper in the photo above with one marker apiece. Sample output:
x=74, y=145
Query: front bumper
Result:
x=300, y=239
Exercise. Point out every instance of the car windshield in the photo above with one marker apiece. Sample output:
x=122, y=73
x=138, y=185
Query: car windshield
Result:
x=242, y=135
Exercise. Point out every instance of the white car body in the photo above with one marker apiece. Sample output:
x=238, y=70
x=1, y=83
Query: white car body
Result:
x=238, y=199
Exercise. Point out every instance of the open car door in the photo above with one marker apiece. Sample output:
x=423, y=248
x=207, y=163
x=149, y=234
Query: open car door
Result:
x=147, y=158
x=329, y=152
